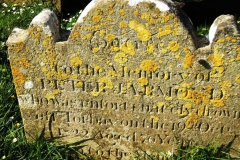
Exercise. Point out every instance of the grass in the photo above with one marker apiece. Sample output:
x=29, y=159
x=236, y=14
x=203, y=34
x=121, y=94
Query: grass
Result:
x=13, y=144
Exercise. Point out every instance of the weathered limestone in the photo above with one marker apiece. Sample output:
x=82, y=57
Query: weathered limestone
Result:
x=130, y=76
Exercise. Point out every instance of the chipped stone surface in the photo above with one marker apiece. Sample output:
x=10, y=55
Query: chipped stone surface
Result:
x=130, y=77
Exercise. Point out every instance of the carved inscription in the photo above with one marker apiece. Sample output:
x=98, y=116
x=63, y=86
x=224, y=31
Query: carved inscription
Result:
x=130, y=76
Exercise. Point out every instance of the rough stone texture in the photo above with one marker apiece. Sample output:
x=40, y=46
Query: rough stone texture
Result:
x=131, y=77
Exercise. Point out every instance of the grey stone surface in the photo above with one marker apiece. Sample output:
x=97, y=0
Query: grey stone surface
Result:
x=131, y=76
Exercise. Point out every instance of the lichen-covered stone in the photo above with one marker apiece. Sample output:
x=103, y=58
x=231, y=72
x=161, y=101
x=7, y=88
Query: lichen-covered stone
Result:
x=130, y=76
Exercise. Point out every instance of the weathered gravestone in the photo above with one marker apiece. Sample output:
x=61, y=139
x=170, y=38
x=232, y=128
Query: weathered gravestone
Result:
x=131, y=77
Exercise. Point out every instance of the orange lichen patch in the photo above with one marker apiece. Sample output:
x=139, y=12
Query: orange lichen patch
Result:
x=76, y=61
x=221, y=40
x=237, y=79
x=50, y=96
x=21, y=62
x=186, y=108
x=173, y=46
x=120, y=58
x=148, y=91
x=75, y=34
x=136, y=12
x=167, y=98
x=79, y=84
x=238, y=56
x=191, y=120
x=102, y=33
x=56, y=91
x=143, y=81
x=95, y=50
x=228, y=38
x=122, y=12
x=110, y=37
x=217, y=102
x=196, y=97
x=110, y=9
x=123, y=24
x=217, y=59
x=19, y=46
x=96, y=19
x=114, y=48
x=154, y=118
x=188, y=60
x=145, y=16
x=98, y=69
x=105, y=83
x=142, y=33
x=162, y=32
x=217, y=72
x=149, y=66
x=87, y=36
x=128, y=47
x=150, y=48
x=176, y=20
x=113, y=73
x=234, y=40
x=18, y=77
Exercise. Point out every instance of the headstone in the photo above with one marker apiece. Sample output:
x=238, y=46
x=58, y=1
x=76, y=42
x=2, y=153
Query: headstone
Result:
x=130, y=77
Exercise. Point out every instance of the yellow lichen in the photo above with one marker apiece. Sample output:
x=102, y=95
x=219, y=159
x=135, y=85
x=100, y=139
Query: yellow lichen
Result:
x=238, y=79
x=142, y=33
x=56, y=91
x=121, y=58
x=173, y=46
x=143, y=81
x=145, y=16
x=234, y=40
x=191, y=120
x=18, y=77
x=136, y=12
x=50, y=96
x=87, y=36
x=221, y=40
x=96, y=19
x=162, y=32
x=228, y=38
x=217, y=59
x=75, y=61
x=79, y=84
x=150, y=48
x=105, y=83
x=149, y=65
x=110, y=37
x=148, y=91
x=122, y=12
x=128, y=47
x=75, y=34
x=154, y=118
x=21, y=62
x=95, y=50
x=238, y=56
x=102, y=33
x=113, y=73
x=217, y=72
x=188, y=60
x=123, y=24
x=114, y=48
